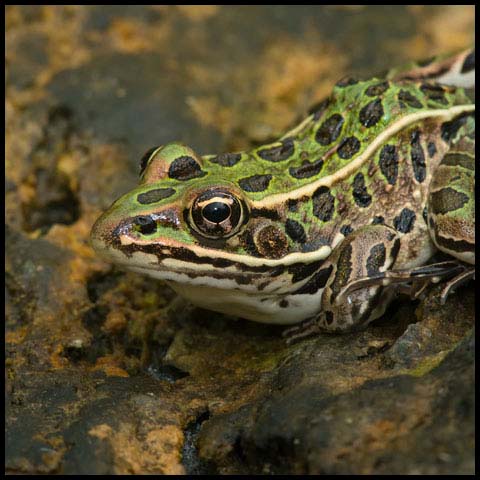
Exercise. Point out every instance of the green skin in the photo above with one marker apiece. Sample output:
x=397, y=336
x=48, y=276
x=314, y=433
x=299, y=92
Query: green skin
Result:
x=351, y=199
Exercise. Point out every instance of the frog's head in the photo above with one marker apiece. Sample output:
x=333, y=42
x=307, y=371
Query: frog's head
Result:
x=190, y=223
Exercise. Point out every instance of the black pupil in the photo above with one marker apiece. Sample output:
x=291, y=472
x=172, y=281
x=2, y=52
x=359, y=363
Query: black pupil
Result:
x=146, y=224
x=216, y=212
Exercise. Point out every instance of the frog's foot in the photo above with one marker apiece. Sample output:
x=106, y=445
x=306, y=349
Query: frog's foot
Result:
x=454, y=283
x=306, y=329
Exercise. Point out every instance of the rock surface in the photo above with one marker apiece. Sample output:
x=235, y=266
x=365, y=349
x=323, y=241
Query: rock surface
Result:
x=100, y=379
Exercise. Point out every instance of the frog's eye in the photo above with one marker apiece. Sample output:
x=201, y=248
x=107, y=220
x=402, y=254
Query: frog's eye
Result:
x=217, y=214
x=145, y=224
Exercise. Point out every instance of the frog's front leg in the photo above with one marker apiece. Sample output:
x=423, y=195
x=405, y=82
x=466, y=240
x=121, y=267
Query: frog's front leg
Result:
x=364, y=254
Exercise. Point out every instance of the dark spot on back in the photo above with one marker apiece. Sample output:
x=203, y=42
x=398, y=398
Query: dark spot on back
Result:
x=307, y=169
x=185, y=168
x=377, y=89
x=323, y=204
x=255, y=183
x=434, y=92
x=295, y=231
x=418, y=157
x=348, y=147
x=361, y=196
x=153, y=196
x=405, y=221
x=227, y=159
x=432, y=149
x=292, y=205
x=389, y=163
x=371, y=113
x=330, y=129
x=378, y=220
x=278, y=153
x=406, y=97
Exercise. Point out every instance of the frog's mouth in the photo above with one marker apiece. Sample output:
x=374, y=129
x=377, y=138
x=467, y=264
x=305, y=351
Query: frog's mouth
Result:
x=172, y=261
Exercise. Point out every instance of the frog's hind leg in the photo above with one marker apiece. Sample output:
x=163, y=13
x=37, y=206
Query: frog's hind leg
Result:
x=451, y=204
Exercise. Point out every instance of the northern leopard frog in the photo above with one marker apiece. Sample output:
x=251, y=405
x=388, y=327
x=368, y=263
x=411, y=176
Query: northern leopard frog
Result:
x=323, y=225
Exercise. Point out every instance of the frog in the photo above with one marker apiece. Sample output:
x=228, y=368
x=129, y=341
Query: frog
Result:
x=321, y=229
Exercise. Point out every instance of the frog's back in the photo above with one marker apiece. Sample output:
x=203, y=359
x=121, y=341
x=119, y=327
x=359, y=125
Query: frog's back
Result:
x=357, y=119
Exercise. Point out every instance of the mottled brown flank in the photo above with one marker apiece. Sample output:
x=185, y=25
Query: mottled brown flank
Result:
x=459, y=160
x=185, y=168
x=361, y=196
x=279, y=153
x=255, y=183
x=469, y=63
x=447, y=200
x=376, y=259
x=418, y=157
x=271, y=242
x=348, y=147
x=295, y=231
x=323, y=204
x=377, y=89
x=329, y=130
x=344, y=271
x=227, y=159
x=406, y=97
x=153, y=196
x=405, y=221
x=434, y=92
x=307, y=169
x=371, y=113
